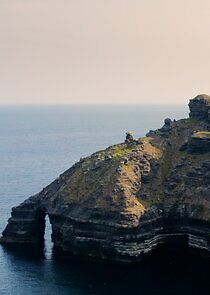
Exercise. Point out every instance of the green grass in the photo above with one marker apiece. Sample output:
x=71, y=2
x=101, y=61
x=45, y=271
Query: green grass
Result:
x=120, y=151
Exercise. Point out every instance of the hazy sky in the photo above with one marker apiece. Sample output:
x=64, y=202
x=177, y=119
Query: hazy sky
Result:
x=104, y=51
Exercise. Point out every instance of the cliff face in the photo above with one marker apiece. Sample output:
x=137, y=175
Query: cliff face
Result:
x=122, y=202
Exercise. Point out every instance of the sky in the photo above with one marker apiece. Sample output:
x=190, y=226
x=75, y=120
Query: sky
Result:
x=104, y=51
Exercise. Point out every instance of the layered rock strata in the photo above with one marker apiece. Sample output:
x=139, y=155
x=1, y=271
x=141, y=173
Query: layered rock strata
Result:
x=122, y=202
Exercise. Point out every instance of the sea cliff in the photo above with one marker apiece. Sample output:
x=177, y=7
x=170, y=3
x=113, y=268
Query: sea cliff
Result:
x=122, y=202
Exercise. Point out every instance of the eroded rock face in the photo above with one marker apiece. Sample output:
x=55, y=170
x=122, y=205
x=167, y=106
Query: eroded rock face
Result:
x=121, y=203
x=27, y=223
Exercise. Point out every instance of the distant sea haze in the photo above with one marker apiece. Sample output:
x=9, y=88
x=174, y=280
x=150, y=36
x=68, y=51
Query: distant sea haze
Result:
x=36, y=145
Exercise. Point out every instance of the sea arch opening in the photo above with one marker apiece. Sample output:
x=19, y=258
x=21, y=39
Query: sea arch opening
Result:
x=45, y=233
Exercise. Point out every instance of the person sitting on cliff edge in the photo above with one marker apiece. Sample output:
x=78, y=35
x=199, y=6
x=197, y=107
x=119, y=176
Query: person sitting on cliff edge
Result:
x=129, y=137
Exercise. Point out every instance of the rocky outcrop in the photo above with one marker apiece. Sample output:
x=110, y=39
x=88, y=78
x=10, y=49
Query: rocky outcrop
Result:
x=122, y=202
x=200, y=107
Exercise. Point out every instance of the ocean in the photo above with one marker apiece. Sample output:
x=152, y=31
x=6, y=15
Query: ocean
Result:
x=37, y=143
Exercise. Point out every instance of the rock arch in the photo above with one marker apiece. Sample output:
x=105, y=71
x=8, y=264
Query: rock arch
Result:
x=27, y=223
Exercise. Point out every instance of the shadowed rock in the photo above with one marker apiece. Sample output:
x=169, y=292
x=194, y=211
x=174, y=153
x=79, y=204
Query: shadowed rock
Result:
x=200, y=142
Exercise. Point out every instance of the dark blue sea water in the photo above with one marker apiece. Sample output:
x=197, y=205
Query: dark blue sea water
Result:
x=37, y=144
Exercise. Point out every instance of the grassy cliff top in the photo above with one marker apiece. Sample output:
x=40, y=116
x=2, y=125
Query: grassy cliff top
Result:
x=108, y=181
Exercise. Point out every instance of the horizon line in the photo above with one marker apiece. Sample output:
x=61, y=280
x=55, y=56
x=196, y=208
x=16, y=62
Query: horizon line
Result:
x=88, y=104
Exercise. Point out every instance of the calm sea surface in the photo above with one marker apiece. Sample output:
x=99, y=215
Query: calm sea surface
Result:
x=36, y=145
